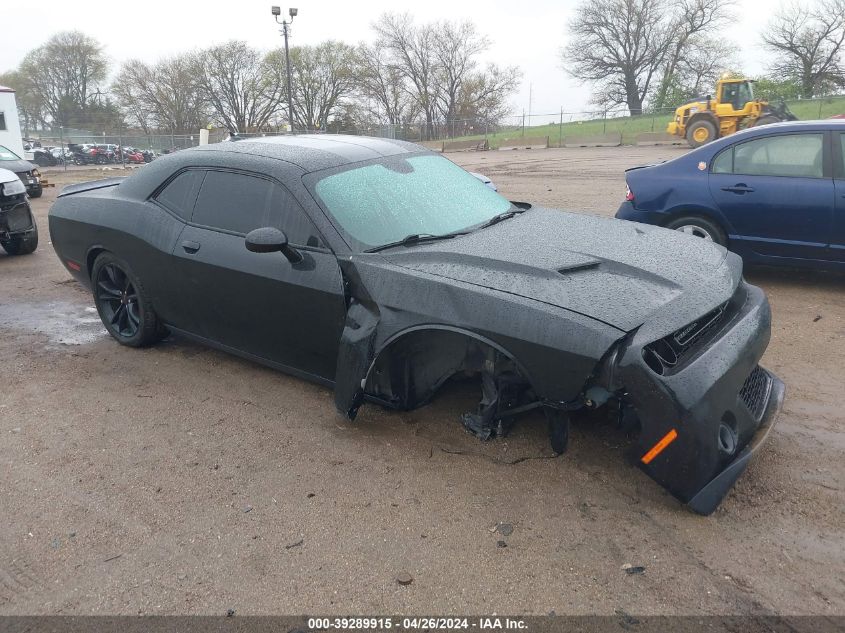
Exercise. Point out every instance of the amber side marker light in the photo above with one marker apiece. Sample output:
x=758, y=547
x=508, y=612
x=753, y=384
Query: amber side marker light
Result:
x=658, y=448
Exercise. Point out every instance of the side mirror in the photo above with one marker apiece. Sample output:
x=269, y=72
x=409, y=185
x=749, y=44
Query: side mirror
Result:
x=271, y=240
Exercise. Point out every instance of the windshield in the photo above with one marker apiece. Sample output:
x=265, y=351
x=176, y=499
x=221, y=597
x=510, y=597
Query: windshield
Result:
x=7, y=154
x=387, y=200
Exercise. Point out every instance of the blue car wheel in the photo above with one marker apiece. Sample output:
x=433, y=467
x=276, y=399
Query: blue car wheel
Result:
x=698, y=226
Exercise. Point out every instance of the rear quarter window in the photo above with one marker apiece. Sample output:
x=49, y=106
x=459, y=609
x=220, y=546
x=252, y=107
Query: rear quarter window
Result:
x=180, y=194
x=724, y=162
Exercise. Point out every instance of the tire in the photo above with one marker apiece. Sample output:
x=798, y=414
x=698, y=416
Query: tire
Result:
x=122, y=303
x=699, y=227
x=36, y=193
x=766, y=119
x=21, y=244
x=701, y=132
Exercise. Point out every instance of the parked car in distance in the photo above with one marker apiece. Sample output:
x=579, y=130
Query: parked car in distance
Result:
x=61, y=154
x=485, y=180
x=26, y=171
x=774, y=194
x=18, y=232
x=382, y=269
x=131, y=155
x=43, y=157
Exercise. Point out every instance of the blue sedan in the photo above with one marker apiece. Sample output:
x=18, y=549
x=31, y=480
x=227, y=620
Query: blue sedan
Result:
x=774, y=194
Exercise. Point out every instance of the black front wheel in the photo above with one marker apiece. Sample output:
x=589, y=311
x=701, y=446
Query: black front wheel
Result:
x=21, y=244
x=122, y=303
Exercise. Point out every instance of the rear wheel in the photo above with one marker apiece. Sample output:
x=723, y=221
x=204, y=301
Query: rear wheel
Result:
x=698, y=226
x=123, y=304
x=21, y=244
x=701, y=132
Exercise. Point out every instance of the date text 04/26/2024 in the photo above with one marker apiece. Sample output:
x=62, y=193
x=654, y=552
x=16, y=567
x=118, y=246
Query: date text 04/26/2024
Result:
x=418, y=623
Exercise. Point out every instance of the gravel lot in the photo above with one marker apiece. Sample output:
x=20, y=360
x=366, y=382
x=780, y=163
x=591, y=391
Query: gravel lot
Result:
x=179, y=479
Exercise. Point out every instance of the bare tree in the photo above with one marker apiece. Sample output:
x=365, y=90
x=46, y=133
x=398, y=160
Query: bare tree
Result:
x=413, y=49
x=690, y=25
x=382, y=88
x=697, y=71
x=164, y=96
x=64, y=73
x=625, y=46
x=322, y=78
x=484, y=94
x=807, y=42
x=239, y=86
x=437, y=64
x=456, y=48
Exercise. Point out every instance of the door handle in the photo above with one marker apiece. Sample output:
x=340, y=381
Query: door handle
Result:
x=190, y=246
x=739, y=188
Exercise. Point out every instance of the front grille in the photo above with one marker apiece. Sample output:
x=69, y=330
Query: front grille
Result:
x=755, y=392
x=17, y=219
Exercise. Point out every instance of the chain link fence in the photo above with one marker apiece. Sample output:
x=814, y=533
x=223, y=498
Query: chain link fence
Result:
x=553, y=126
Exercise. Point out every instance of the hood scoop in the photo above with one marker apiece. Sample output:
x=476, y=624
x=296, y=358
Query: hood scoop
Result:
x=565, y=270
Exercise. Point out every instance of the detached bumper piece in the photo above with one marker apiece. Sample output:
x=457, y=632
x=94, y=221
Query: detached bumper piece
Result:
x=703, y=402
x=762, y=394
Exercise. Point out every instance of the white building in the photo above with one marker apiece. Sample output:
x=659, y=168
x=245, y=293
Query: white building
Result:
x=10, y=127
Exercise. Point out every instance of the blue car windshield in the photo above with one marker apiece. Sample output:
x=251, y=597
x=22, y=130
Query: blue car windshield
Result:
x=389, y=199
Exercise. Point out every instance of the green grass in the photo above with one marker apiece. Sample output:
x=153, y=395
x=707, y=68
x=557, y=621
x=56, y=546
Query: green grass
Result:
x=630, y=127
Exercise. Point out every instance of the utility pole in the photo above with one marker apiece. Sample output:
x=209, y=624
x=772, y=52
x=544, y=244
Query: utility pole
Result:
x=530, y=95
x=286, y=33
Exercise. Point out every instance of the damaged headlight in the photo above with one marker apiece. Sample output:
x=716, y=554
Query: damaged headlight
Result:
x=13, y=188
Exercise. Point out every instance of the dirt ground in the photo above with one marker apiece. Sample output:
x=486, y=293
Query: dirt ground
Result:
x=179, y=479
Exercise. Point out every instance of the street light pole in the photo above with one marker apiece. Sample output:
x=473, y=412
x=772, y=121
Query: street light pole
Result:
x=286, y=32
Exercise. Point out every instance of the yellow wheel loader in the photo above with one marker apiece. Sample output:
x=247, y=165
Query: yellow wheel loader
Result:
x=733, y=109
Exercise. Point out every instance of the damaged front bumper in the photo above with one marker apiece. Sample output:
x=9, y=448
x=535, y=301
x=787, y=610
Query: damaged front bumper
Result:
x=15, y=217
x=709, y=497
x=703, y=416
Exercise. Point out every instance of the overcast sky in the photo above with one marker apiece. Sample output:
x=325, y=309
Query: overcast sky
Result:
x=527, y=34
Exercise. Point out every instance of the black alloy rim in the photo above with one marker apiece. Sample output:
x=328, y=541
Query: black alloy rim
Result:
x=118, y=300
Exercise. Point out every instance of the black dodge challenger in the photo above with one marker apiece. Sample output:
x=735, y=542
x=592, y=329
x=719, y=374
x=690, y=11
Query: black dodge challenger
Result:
x=382, y=270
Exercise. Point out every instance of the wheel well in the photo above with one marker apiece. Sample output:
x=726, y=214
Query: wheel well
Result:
x=91, y=258
x=409, y=370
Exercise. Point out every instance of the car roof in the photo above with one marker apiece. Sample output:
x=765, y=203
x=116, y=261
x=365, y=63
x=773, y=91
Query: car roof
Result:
x=819, y=125
x=307, y=152
x=314, y=152
x=799, y=126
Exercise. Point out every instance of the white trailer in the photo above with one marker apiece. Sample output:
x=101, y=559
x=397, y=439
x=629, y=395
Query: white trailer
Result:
x=10, y=127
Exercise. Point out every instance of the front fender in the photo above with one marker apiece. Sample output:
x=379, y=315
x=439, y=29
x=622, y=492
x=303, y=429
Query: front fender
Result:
x=554, y=350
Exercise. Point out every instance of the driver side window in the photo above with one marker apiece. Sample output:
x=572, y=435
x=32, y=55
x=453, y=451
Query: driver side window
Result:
x=238, y=203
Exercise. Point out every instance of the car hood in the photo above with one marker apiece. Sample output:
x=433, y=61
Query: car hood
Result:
x=17, y=166
x=7, y=176
x=617, y=272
